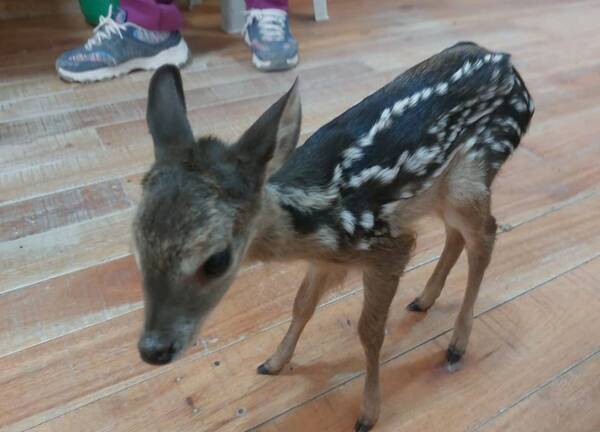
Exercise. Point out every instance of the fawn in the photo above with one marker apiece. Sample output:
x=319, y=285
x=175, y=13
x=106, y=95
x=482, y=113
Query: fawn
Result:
x=429, y=142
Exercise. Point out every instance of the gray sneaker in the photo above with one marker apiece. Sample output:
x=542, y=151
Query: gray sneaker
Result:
x=119, y=47
x=267, y=33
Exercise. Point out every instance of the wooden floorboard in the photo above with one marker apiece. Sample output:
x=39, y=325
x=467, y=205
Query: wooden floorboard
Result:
x=569, y=399
x=71, y=160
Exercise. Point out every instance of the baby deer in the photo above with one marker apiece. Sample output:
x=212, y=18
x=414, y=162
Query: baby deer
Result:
x=429, y=142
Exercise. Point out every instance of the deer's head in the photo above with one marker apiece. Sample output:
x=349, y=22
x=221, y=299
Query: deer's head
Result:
x=198, y=211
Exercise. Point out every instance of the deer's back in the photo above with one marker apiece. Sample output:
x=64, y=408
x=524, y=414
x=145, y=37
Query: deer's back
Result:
x=395, y=143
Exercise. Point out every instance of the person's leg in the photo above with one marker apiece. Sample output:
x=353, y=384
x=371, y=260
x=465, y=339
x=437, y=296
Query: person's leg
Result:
x=140, y=34
x=160, y=15
x=267, y=4
x=268, y=34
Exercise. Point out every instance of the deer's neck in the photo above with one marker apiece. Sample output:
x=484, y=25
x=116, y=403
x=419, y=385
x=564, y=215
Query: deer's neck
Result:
x=275, y=238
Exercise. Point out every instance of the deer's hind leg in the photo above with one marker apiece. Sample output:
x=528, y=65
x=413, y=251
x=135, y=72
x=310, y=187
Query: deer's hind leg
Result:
x=478, y=228
x=315, y=282
x=452, y=249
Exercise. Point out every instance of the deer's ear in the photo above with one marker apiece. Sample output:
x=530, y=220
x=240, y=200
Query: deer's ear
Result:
x=166, y=114
x=270, y=141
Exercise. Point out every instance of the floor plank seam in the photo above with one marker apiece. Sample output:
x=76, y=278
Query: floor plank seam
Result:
x=141, y=78
x=136, y=306
x=140, y=379
x=65, y=273
x=568, y=202
x=140, y=98
x=535, y=390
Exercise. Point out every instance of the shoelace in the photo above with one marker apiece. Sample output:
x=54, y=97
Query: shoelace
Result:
x=105, y=28
x=271, y=23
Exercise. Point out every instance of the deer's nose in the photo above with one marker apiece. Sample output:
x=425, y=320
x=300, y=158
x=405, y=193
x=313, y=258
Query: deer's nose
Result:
x=156, y=353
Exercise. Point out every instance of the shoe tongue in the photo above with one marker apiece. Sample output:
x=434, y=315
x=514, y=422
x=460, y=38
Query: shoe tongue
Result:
x=119, y=15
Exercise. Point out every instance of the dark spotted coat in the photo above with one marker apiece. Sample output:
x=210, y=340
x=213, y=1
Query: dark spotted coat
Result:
x=395, y=142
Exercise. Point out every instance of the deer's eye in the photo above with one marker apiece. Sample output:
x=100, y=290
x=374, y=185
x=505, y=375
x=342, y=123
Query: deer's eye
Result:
x=217, y=264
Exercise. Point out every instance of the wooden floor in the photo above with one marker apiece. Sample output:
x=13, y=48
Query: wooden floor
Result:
x=71, y=158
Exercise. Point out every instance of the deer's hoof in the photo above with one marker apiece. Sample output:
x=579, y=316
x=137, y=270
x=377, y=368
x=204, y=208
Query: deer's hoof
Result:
x=414, y=306
x=453, y=358
x=360, y=426
x=264, y=370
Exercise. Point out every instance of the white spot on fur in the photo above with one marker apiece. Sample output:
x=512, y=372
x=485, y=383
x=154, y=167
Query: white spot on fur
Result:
x=414, y=99
x=350, y=155
x=363, y=245
x=436, y=128
x=470, y=142
x=441, y=89
x=348, y=221
x=497, y=147
x=389, y=208
x=310, y=198
x=518, y=104
x=484, y=112
x=304, y=199
x=457, y=75
x=364, y=176
x=475, y=154
x=471, y=102
x=426, y=93
x=327, y=237
x=400, y=106
x=367, y=220
x=337, y=176
x=531, y=105
x=508, y=145
x=421, y=158
x=511, y=122
x=381, y=174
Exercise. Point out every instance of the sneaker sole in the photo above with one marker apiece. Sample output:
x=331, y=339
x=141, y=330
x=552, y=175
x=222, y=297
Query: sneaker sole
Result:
x=271, y=66
x=177, y=55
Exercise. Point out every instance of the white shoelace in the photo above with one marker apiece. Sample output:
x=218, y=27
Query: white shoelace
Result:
x=105, y=28
x=271, y=23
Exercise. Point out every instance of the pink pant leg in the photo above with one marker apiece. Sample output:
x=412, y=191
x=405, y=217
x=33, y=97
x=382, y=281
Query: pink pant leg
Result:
x=267, y=4
x=162, y=15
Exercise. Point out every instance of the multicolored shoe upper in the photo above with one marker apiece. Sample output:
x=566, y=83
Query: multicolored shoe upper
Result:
x=267, y=32
x=114, y=42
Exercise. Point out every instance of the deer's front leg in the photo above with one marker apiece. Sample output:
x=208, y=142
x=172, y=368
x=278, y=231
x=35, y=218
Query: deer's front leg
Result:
x=379, y=290
x=307, y=298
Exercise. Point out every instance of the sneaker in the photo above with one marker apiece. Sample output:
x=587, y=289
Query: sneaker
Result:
x=267, y=33
x=119, y=47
